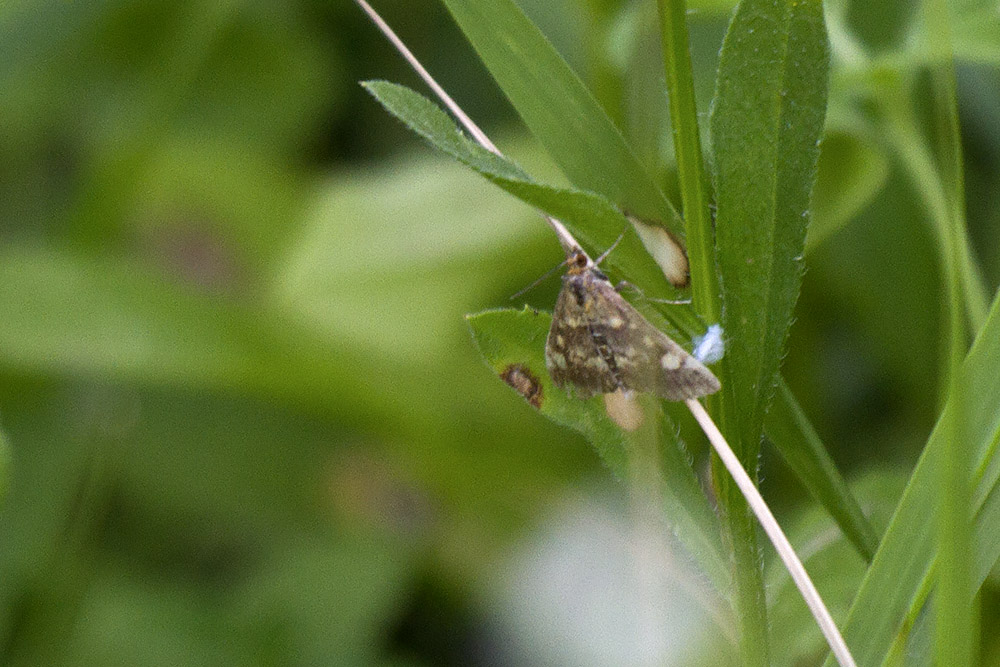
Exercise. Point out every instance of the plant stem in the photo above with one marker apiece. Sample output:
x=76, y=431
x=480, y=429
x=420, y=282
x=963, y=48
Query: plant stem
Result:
x=941, y=188
x=749, y=599
x=918, y=162
x=955, y=598
x=694, y=186
x=774, y=532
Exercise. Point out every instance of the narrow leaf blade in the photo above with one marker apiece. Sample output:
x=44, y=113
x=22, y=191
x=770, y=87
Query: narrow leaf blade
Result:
x=766, y=123
x=795, y=439
x=558, y=109
x=890, y=592
x=594, y=220
x=766, y=120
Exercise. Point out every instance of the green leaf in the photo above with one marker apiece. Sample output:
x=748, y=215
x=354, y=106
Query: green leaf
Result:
x=890, y=593
x=766, y=123
x=69, y=314
x=513, y=343
x=976, y=35
x=508, y=338
x=833, y=564
x=66, y=312
x=593, y=219
x=559, y=110
x=5, y=459
x=795, y=439
x=329, y=620
x=283, y=603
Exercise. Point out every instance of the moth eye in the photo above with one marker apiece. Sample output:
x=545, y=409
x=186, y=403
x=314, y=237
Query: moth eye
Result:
x=580, y=260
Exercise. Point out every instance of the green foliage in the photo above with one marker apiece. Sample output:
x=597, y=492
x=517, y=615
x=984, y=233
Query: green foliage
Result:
x=892, y=589
x=241, y=420
x=558, y=109
x=508, y=338
x=851, y=172
x=766, y=122
x=516, y=339
x=793, y=436
x=593, y=219
x=5, y=457
x=835, y=567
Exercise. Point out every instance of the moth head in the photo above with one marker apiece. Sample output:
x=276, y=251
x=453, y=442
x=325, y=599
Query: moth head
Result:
x=577, y=263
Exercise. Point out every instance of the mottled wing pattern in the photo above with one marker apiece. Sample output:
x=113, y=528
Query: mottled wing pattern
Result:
x=636, y=355
x=648, y=360
x=571, y=355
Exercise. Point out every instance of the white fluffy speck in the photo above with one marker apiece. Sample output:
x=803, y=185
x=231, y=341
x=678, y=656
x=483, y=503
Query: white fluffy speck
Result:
x=711, y=347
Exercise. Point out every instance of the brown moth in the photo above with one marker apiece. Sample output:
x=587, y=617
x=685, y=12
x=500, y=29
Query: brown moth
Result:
x=599, y=343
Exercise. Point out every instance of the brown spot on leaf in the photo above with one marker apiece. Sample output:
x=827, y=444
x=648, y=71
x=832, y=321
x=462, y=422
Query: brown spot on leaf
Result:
x=526, y=384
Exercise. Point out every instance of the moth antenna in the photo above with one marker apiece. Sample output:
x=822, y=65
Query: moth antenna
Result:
x=540, y=280
x=607, y=252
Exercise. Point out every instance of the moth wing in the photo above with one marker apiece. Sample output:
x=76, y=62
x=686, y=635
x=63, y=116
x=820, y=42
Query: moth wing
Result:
x=647, y=360
x=571, y=355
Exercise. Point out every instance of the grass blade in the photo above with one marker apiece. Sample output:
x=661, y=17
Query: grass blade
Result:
x=955, y=622
x=891, y=590
x=797, y=442
x=559, y=110
x=592, y=218
x=5, y=459
x=766, y=122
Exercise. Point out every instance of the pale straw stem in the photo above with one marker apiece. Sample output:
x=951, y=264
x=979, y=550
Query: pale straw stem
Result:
x=773, y=530
x=566, y=240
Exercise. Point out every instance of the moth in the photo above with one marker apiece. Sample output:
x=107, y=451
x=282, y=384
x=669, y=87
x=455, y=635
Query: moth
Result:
x=599, y=343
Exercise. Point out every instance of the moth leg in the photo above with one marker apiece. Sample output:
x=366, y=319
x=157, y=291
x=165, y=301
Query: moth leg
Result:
x=624, y=284
x=670, y=302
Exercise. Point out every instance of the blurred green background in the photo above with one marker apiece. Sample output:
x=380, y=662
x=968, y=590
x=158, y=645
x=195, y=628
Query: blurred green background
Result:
x=243, y=421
